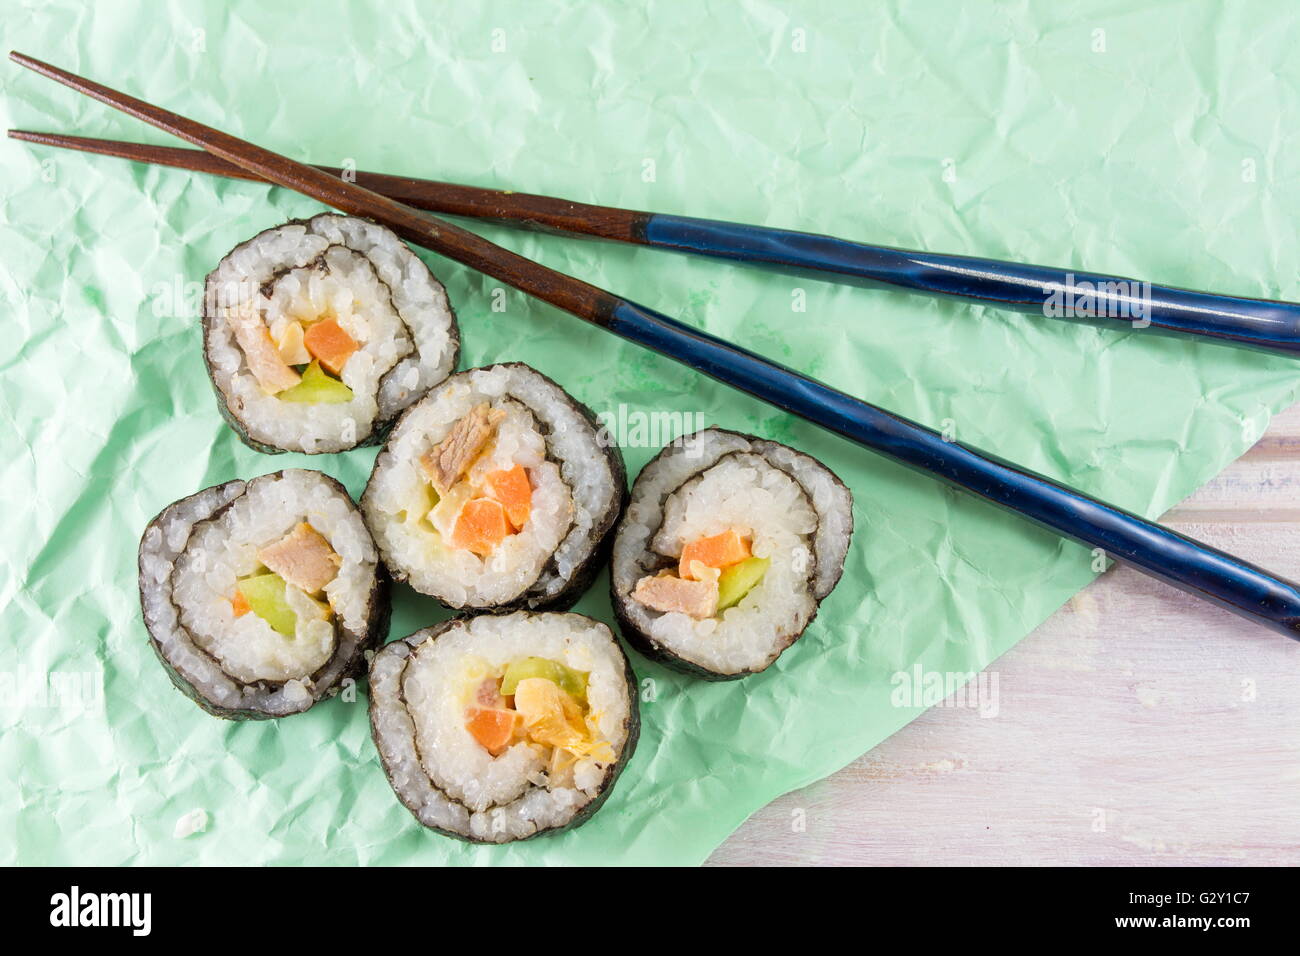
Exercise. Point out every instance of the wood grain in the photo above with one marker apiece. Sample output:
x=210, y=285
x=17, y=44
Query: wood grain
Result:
x=1135, y=726
x=523, y=210
x=565, y=292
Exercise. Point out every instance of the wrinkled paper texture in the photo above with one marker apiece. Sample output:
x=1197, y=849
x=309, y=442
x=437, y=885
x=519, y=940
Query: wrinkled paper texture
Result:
x=1145, y=142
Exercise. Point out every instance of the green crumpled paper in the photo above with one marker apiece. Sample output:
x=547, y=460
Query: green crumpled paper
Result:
x=1142, y=142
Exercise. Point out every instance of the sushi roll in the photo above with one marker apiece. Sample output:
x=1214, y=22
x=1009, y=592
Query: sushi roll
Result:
x=261, y=597
x=496, y=491
x=317, y=334
x=728, y=545
x=503, y=727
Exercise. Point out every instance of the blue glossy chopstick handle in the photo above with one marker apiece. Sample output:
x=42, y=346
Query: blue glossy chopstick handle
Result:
x=1109, y=301
x=1173, y=558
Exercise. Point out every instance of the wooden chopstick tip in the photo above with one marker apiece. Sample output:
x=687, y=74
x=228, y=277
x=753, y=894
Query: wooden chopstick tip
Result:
x=48, y=70
x=31, y=63
x=44, y=69
x=31, y=136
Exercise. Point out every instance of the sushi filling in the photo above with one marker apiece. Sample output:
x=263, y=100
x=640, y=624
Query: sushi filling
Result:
x=479, y=507
x=498, y=727
x=266, y=583
x=318, y=334
x=495, y=491
x=478, y=496
x=261, y=597
x=535, y=702
x=286, y=592
x=731, y=565
x=725, y=552
x=712, y=574
x=486, y=507
x=318, y=328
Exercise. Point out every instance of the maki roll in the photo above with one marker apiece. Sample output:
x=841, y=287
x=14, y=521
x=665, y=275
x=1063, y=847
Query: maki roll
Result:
x=728, y=545
x=262, y=596
x=502, y=727
x=495, y=491
x=317, y=334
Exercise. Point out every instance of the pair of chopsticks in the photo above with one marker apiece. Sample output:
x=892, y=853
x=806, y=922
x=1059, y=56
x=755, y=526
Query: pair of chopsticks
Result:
x=1108, y=301
x=1193, y=566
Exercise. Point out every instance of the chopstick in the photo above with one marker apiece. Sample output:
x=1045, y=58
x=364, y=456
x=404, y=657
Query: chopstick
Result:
x=1109, y=301
x=522, y=210
x=1196, y=568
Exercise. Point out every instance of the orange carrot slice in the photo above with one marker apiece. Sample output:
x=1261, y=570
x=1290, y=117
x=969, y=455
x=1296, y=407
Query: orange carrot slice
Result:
x=329, y=345
x=490, y=727
x=481, y=526
x=239, y=603
x=719, y=551
x=511, y=488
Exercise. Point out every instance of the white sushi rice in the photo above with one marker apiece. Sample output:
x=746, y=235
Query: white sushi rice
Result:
x=191, y=559
x=373, y=285
x=744, y=493
x=574, y=488
x=441, y=773
x=800, y=518
x=459, y=576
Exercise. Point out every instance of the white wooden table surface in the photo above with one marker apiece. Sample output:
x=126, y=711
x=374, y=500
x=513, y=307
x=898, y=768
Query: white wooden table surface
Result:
x=1135, y=726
